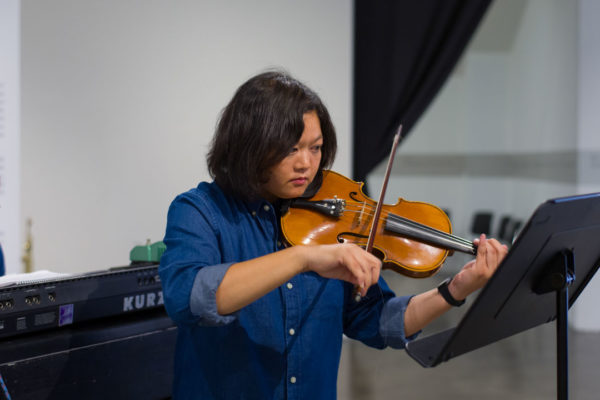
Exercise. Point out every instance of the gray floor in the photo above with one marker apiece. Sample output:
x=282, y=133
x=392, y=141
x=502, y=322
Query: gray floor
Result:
x=520, y=367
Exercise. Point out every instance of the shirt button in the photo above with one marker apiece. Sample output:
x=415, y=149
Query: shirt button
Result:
x=292, y=331
x=266, y=207
x=254, y=213
x=289, y=285
x=293, y=379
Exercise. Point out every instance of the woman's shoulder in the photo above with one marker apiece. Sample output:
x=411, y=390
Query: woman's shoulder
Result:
x=209, y=197
x=203, y=193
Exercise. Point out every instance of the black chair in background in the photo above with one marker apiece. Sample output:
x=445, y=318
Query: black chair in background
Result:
x=504, y=228
x=515, y=229
x=482, y=222
x=508, y=229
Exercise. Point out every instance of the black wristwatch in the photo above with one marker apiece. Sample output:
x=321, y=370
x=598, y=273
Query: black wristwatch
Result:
x=443, y=289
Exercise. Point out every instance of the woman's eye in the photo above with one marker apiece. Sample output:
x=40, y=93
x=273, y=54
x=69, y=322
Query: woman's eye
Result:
x=317, y=148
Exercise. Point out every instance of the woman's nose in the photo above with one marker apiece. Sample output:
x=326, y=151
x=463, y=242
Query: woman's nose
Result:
x=302, y=160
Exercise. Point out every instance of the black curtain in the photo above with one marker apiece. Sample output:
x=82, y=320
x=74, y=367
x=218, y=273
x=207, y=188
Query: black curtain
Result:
x=403, y=52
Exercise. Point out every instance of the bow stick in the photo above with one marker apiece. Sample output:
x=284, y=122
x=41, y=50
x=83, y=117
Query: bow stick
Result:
x=386, y=178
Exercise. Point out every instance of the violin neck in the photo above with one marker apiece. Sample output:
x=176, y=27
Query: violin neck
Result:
x=426, y=234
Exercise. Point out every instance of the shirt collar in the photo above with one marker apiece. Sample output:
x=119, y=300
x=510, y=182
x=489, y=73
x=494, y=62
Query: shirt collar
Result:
x=260, y=205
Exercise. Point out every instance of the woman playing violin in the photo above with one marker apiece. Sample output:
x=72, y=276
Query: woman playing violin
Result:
x=257, y=319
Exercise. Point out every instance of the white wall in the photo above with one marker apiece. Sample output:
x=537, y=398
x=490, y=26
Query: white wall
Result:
x=9, y=135
x=120, y=98
x=586, y=316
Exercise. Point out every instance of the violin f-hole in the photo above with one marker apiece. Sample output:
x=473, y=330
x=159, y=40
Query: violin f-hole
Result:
x=340, y=237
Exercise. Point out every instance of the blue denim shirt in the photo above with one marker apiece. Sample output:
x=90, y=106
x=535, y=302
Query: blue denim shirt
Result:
x=285, y=345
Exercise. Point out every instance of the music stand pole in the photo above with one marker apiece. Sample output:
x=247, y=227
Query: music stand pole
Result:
x=562, y=345
x=562, y=326
x=557, y=278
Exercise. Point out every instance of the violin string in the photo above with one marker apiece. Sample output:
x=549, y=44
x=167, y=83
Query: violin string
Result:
x=430, y=229
x=360, y=207
x=414, y=224
x=443, y=236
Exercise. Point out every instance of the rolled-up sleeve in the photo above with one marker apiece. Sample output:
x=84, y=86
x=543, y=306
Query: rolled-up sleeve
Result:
x=203, y=302
x=391, y=322
x=378, y=318
x=191, y=267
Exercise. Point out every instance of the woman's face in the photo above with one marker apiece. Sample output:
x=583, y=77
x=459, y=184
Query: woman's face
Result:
x=291, y=176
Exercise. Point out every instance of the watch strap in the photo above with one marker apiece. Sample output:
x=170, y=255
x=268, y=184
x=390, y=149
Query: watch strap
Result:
x=443, y=290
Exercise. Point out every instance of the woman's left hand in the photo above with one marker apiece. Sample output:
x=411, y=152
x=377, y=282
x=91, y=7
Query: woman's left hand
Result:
x=476, y=273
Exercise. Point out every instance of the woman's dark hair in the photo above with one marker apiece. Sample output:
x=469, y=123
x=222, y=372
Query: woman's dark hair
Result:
x=259, y=127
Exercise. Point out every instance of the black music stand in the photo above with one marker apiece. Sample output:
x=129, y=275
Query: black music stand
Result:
x=547, y=268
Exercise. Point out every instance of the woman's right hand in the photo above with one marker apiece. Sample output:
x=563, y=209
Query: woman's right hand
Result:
x=345, y=261
x=246, y=281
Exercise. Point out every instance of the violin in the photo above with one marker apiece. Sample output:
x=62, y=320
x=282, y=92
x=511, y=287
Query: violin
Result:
x=412, y=238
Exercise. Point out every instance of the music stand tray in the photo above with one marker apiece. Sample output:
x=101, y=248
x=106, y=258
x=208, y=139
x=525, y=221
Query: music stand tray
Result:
x=554, y=257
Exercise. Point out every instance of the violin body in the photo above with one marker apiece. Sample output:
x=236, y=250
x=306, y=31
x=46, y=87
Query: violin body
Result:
x=341, y=213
